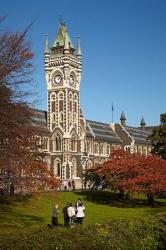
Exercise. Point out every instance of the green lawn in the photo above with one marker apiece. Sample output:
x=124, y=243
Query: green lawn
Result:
x=29, y=213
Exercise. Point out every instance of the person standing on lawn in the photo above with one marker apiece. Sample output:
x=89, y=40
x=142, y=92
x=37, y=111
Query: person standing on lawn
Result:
x=80, y=213
x=77, y=203
x=69, y=185
x=65, y=215
x=73, y=185
x=55, y=216
x=71, y=213
x=65, y=185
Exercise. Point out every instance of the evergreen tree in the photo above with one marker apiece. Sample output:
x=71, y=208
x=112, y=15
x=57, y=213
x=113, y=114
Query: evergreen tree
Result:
x=158, y=137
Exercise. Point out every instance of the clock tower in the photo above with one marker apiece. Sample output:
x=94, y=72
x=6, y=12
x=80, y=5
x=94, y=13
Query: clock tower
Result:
x=63, y=75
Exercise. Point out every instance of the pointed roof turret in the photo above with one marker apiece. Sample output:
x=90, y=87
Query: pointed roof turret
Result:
x=46, y=46
x=142, y=123
x=66, y=43
x=78, y=50
x=123, y=119
x=60, y=38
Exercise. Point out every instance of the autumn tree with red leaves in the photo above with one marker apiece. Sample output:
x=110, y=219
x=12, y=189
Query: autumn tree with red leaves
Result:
x=21, y=158
x=136, y=173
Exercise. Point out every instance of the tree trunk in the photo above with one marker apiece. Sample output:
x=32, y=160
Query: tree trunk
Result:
x=150, y=199
x=121, y=193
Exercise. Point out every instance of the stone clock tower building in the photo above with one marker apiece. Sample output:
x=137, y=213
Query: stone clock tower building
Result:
x=63, y=76
x=72, y=143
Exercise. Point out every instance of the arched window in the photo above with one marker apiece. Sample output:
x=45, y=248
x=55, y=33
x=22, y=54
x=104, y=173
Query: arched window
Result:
x=53, y=118
x=127, y=148
x=61, y=97
x=73, y=143
x=144, y=151
x=75, y=103
x=70, y=102
x=140, y=150
x=96, y=148
x=70, y=119
x=75, y=106
x=74, y=168
x=61, y=117
x=53, y=97
x=89, y=164
x=135, y=149
x=57, y=143
x=101, y=148
x=57, y=167
x=108, y=149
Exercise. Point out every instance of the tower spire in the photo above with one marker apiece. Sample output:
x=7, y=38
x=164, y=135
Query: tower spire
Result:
x=142, y=123
x=123, y=119
x=46, y=45
x=78, y=50
x=66, y=42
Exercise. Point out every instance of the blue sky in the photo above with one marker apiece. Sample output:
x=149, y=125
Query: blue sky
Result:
x=124, y=52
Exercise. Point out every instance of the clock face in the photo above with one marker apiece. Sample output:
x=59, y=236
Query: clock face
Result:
x=71, y=80
x=57, y=79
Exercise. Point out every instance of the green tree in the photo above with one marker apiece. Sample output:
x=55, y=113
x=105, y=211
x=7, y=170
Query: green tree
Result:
x=158, y=137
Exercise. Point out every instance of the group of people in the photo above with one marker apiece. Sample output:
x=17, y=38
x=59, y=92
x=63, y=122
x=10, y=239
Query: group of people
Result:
x=71, y=214
x=69, y=185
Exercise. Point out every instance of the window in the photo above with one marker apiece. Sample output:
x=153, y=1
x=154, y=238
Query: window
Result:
x=52, y=97
x=45, y=143
x=57, y=143
x=108, y=149
x=75, y=106
x=61, y=117
x=57, y=167
x=96, y=148
x=101, y=149
x=38, y=140
x=53, y=117
x=73, y=168
x=73, y=144
x=89, y=164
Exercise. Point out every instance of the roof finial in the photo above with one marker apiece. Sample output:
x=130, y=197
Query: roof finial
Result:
x=78, y=51
x=142, y=123
x=66, y=43
x=46, y=46
x=123, y=119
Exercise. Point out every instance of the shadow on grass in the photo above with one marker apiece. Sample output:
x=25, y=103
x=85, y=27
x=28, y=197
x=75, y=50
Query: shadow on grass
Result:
x=8, y=214
x=9, y=200
x=112, y=199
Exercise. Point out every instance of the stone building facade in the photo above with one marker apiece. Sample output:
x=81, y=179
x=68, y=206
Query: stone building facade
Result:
x=71, y=142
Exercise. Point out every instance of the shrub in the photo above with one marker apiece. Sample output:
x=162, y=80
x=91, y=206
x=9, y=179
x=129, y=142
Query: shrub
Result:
x=148, y=233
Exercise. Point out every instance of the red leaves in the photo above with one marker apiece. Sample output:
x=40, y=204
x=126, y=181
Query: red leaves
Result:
x=135, y=172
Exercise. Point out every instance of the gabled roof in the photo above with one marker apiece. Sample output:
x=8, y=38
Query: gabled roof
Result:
x=60, y=37
x=139, y=135
x=101, y=131
x=39, y=119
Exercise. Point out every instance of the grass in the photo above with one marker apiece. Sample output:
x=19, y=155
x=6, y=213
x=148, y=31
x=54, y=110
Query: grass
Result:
x=31, y=212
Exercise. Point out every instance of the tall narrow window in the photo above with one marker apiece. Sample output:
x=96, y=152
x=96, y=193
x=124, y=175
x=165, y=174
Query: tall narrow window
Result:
x=53, y=98
x=58, y=169
x=53, y=118
x=74, y=168
x=73, y=144
x=57, y=143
